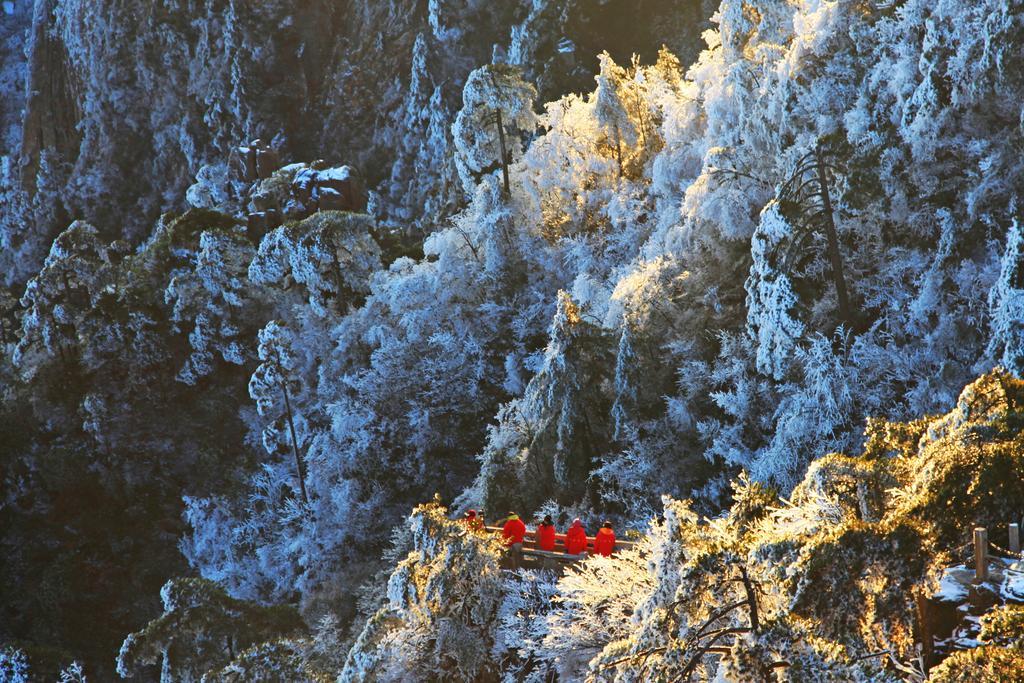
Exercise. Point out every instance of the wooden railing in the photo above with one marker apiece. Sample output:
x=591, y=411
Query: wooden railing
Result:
x=937, y=620
x=528, y=553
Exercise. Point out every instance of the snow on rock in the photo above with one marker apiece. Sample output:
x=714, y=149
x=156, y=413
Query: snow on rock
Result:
x=336, y=173
x=1012, y=587
x=953, y=584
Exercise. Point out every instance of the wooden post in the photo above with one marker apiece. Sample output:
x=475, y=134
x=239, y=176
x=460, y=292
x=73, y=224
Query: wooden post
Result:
x=980, y=555
x=926, y=634
x=1014, y=538
x=516, y=553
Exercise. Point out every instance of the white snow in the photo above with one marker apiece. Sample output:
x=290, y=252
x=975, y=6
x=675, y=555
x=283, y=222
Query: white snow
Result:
x=1012, y=587
x=951, y=586
x=336, y=173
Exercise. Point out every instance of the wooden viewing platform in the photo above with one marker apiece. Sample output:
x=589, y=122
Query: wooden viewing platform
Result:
x=528, y=555
x=947, y=620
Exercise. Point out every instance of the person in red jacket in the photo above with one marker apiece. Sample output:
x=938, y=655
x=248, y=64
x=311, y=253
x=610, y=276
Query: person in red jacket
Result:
x=514, y=529
x=604, y=541
x=546, y=534
x=576, y=538
x=473, y=521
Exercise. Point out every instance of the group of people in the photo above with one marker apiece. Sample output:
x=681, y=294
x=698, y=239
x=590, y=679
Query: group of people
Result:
x=514, y=531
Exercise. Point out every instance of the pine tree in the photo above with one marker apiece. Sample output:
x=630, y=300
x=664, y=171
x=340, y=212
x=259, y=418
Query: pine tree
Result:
x=1006, y=303
x=548, y=441
x=58, y=300
x=806, y=200
x=611, y=109
x=331, y=256
x=214, y=296
x=274, y=387
x=442, y=604
x=497, y=107
x=771, y=303
x=201, y=629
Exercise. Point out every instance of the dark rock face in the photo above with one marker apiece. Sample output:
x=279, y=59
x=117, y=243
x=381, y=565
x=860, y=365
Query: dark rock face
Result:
x=15, y=21
x=51, y=108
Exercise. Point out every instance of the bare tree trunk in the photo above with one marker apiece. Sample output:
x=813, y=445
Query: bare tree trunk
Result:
x=295, y=445
x=618, y=148
x=748, y=587
x=845, y=311
x=504, y=152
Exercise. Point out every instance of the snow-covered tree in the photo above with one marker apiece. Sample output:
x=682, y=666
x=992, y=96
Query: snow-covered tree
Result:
x=58, y=300
x=14, y=665
x=331, y=256
x=200, y=630
x=1006, y=301
x=611, y=110
x=593, y=606
x=497, y=108
x=807, y=199
x=423, y=188
x=443, y=601
x=210, y=295
x=73, y=673
x=275, y=388
x=546, y=442
x=770, y=297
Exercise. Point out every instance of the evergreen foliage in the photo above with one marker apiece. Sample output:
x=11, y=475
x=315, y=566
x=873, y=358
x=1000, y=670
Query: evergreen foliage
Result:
x=200, y=630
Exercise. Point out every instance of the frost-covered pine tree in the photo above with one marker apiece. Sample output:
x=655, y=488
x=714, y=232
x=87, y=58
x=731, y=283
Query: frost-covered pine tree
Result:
x=558, y=398
x=73, y=673
x=594, y=607
x=275, y=388
x=771, y=302
x=423, y=188
x=59, y=299
x=211, y=295
x=201, y=629
x=331, y=256
x=546, y=443
x=442, y=605
x=611, y=110
x=497, y=108
x=29, y=221
x=14, y=666
x=1006, y=302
